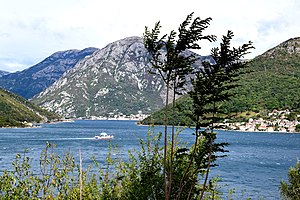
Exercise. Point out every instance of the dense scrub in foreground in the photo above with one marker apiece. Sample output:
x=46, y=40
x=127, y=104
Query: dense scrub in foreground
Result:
x=60, y=177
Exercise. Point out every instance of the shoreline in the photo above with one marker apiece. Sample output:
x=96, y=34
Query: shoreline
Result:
x=39, y=125
x=258, y=131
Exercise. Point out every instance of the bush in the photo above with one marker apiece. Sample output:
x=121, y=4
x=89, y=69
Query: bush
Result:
x=141, y=177
x=291, y=190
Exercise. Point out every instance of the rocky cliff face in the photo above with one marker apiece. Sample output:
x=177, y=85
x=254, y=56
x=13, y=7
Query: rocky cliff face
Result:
x=35, y=79
x=115, y=79
x=288, y=48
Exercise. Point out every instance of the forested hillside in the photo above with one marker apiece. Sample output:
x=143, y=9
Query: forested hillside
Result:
x=17, y=111
x=271, y=81
x=274, y=82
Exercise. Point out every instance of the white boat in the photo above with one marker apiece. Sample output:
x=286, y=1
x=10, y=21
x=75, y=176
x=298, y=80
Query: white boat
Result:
x=104, y=136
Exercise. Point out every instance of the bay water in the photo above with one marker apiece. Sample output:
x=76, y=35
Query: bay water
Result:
x=254, y=166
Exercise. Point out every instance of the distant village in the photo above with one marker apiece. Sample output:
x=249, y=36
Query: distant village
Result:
x=275, y=121
x=120, y=116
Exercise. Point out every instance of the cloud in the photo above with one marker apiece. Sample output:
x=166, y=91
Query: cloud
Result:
x=32, y=30
x=10, y=64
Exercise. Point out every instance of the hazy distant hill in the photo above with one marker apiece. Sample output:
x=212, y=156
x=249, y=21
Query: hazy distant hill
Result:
x=2, y=73
x=115, y=79
x=35, y=79
x=14, y=110
x=274, y=83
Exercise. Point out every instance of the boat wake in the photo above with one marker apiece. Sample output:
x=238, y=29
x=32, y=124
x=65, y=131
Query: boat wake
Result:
x=90, y=138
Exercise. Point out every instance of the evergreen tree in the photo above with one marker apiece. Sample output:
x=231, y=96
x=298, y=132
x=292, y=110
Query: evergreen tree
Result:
x=291, y=190
x=212, y=85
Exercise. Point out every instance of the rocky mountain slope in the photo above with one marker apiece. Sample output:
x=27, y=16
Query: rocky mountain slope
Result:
x=114, y=80
x=17, y=111
x=35, y=79
x=285, y=50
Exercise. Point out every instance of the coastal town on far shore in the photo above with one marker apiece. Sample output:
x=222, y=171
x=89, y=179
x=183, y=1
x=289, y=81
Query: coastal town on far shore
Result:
x=276, y=121
x=139, y=116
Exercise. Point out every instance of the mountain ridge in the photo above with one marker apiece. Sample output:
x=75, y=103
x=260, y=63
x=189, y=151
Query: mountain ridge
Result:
x=36, y=78
x=2, y=73
x=116, y=76
x=291, y=46
x=117, y=93
x=115, y=79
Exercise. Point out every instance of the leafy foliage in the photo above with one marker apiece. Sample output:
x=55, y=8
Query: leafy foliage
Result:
x=140, y=177
x=174, y=69
x=181, y=117
x=272, y=84
x=212, y=84
x=298, y=128
x=59, y=178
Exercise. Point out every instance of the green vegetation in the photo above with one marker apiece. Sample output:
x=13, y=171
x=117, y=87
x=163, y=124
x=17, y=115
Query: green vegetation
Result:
x=298, y=128
x=60, y=177
x=15, y=110
x=182, y=113
x=291, y=190
x=174, y=67
x=271, y=81
x=211, y=85
x=274, y=83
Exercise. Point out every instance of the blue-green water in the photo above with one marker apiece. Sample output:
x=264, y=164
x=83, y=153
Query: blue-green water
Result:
x=255, y=164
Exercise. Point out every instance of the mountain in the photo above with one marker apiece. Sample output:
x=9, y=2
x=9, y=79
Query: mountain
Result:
x=35, y=79
x=2, y=73
x=114, y=79
x=17, y=111
x=272, y=83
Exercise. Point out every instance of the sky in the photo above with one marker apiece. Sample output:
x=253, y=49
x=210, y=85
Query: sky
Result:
x=32, y=30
